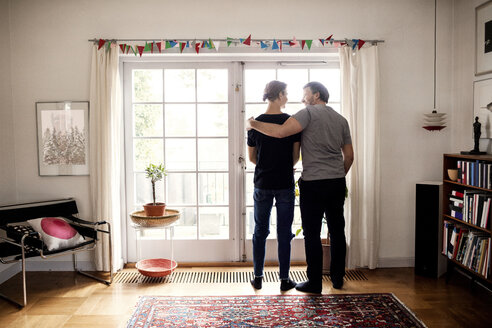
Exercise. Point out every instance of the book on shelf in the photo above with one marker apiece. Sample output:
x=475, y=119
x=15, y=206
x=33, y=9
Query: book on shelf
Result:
x=475, y=173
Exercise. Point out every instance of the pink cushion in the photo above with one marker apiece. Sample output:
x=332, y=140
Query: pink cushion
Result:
x=56, y=233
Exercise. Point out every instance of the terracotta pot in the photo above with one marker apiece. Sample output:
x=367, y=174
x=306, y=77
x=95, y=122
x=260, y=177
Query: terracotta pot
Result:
x=154, y=210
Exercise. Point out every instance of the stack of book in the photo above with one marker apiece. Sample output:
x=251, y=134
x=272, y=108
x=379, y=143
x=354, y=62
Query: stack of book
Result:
x=475, y=173
x=470, y=248
x=456, y=204
x=476, y=207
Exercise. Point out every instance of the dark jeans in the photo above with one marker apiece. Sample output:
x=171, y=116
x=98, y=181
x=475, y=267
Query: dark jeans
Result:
x=320, y=197
x=284, y=202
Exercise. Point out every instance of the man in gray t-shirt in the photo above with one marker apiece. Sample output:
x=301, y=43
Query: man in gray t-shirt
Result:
x=327, y=154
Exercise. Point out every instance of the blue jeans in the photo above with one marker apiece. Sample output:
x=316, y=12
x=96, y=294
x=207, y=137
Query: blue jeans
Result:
x=284, y=202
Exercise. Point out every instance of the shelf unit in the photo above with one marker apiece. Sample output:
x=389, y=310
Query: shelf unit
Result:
x=450, y=162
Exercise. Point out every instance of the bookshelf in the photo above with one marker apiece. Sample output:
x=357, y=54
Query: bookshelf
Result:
x=467, y=214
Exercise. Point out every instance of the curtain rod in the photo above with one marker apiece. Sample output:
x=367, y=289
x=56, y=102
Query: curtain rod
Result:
x=235, y=40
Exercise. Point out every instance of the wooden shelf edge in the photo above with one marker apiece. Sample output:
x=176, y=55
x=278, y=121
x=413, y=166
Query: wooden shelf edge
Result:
x=467, y=224
x=468, y=269
x=466, y=186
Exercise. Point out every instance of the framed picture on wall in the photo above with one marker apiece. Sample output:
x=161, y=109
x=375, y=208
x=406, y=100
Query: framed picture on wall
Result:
x=63, y=138
x=482, y=106
x=483, y=41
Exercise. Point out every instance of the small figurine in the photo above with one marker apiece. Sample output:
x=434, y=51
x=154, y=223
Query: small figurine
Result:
x=477, y=127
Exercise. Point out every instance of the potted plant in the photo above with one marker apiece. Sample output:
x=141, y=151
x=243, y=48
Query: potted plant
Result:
x=155, y=173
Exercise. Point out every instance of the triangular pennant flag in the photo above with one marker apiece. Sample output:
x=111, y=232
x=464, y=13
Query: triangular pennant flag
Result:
x=159, y=45
x=168, y=45
x=101, y=43
x=108, y=45
x=355, y=43
x=217, y=45
x=309, y=42
x=173, y=43
x=280, y=45
x=322, y=42
x=274, y=45
x=329, y=38
x=294, y=43
x=187, y=44
x=148, y=46
x=303, y=42
x=122, y=47
x=127, y=48
x=197, y=47
x=263, y=45
x=182, y=45
x=331, y=41
x=134, y=49
x=229, y=41
x=204, y=44
x=140, y=50
x=241, y=40
x=210, y=44
x=247, y=41
x=361, y=43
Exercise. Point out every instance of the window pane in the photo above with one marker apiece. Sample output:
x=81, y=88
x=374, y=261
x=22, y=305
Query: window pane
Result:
x=180, y=154
x=212, y=85
x=212, y=120
x=250, y=187
x=185, y=227
x=148, y=120
x=181, y=188
x=180, y=120
x=330, y=78
x=250, y=223
x=335, y=106
x=255, y=110
x=179, y=85
x=147, y=151
x=214, y=223
x=213, y=188
x=143, y=190
x=147, y=85
x=295, y=79
x=255, y=81
x=213, y=154
x=293, y=108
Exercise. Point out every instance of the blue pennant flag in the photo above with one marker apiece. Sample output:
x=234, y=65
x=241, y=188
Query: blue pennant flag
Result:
x=187, y=44
x=356, y=41
x=263, y=45
x=241, y=40
x=172, y=43
x=205, y=44
x=274, y=45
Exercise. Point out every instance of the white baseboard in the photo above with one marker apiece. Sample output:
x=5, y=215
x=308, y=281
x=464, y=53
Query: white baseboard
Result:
x=15, y=268
x=396, y=262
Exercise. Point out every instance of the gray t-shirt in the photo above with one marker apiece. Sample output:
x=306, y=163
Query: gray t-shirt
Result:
x=323, y=136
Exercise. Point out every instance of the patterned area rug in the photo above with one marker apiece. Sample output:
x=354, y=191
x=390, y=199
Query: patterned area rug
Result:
x=350, y=310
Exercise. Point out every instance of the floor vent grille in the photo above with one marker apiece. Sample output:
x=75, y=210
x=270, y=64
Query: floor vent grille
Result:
x=216, y=277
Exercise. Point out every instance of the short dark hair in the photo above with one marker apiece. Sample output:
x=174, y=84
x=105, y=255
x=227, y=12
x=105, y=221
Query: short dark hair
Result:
x=318, y=87
x=273, y=90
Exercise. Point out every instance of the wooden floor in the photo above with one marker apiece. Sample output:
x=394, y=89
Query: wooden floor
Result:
x=65, y=299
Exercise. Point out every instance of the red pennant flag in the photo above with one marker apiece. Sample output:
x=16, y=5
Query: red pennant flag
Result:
x=101, y=43
x=329, y=38
x=152, y=48
x=361, y=43
x=140, y=50
x=197, y=47
x=280, y=44
x=182, y=45
x=303, y=42
x=122, y=47
x=322, y=42
x=159, y=45
x=248, y=41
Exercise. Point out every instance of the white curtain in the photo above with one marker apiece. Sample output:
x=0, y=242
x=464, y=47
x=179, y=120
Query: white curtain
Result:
x=106, y=150
x=359, y=71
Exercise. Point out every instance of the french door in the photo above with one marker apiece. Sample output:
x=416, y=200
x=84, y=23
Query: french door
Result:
x=190, y=117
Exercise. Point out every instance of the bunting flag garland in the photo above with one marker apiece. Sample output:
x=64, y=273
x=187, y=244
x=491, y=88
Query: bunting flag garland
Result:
x=247, y=41
x=151, y=46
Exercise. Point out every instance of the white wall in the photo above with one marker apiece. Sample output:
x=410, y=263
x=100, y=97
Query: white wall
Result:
x=7, y=141
x=51, y=61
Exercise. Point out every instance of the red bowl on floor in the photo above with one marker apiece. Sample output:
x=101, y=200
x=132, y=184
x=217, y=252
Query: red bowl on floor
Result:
x=156, y=267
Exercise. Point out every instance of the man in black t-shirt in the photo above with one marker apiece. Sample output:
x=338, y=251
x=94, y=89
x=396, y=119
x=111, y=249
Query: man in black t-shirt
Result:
x=274, y=179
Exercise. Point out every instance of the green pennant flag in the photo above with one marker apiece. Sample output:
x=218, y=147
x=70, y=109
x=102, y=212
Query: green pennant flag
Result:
x=134, y=49
x=108, y=45
x=309, y=42
x=168, y=45
x=147, y=46
x=210, y=44
x=229, y=41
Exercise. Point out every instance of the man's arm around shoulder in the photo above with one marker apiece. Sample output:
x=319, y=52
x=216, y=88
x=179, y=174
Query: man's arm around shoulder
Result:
x=290, y=127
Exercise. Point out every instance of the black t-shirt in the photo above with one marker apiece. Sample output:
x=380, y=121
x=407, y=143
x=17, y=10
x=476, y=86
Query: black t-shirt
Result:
x=274, y=162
